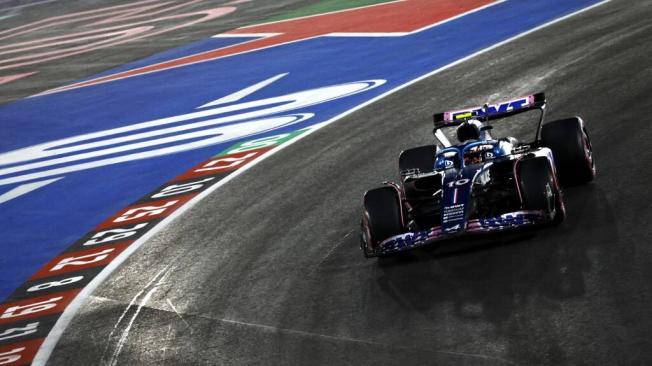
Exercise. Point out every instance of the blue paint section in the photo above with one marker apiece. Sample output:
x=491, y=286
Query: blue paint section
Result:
x=37, y=226
x=204, y=45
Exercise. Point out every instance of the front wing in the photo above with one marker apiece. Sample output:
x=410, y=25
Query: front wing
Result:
x=411, y=240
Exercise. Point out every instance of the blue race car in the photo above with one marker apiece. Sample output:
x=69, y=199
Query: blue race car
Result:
x=479, y=185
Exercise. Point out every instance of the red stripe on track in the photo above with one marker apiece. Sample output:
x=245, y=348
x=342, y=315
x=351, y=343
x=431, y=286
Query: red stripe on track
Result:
x=222, y=164
x=19, y=354
x=71, y=262
x=146, y=211
x=36, y=306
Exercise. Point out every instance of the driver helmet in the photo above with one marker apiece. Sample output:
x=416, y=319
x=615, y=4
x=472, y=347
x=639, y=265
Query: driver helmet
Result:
x=474, y=155
x=469, y=130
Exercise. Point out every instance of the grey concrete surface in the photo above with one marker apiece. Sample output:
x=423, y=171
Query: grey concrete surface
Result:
x=267, y=270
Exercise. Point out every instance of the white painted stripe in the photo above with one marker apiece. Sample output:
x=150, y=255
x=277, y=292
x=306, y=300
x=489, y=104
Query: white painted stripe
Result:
x=24, y=189
x=55, y=334
x=232, y=98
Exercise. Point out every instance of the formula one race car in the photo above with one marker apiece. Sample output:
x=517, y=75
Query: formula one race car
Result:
x=479, y=185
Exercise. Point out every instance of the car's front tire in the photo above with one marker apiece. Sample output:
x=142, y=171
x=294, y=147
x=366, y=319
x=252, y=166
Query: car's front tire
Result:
x=538, y=188
x=382, y=216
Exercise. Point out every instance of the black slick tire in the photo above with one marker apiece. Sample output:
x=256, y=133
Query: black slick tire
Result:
x=538, y=188
x=382, y=214
x=571, y=149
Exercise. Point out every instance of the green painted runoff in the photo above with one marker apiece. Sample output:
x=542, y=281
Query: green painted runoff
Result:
x=325, y=6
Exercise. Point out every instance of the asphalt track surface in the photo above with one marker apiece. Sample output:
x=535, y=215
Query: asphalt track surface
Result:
x=267, y=269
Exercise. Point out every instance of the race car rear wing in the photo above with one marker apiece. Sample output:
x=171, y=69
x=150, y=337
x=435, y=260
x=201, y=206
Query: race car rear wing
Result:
x=490, y=112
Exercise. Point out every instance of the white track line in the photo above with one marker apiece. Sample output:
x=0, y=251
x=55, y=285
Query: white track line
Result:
x=50, y=342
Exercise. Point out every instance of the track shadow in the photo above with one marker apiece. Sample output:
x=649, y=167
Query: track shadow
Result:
x=498, y=278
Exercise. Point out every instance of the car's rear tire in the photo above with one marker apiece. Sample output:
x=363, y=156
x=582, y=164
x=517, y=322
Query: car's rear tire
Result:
x=571, y=149
x=422, y=158
x=538, y=188
x=382, y=215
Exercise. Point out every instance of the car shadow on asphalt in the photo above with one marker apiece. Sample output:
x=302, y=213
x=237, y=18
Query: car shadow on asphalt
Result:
x=508, y=280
